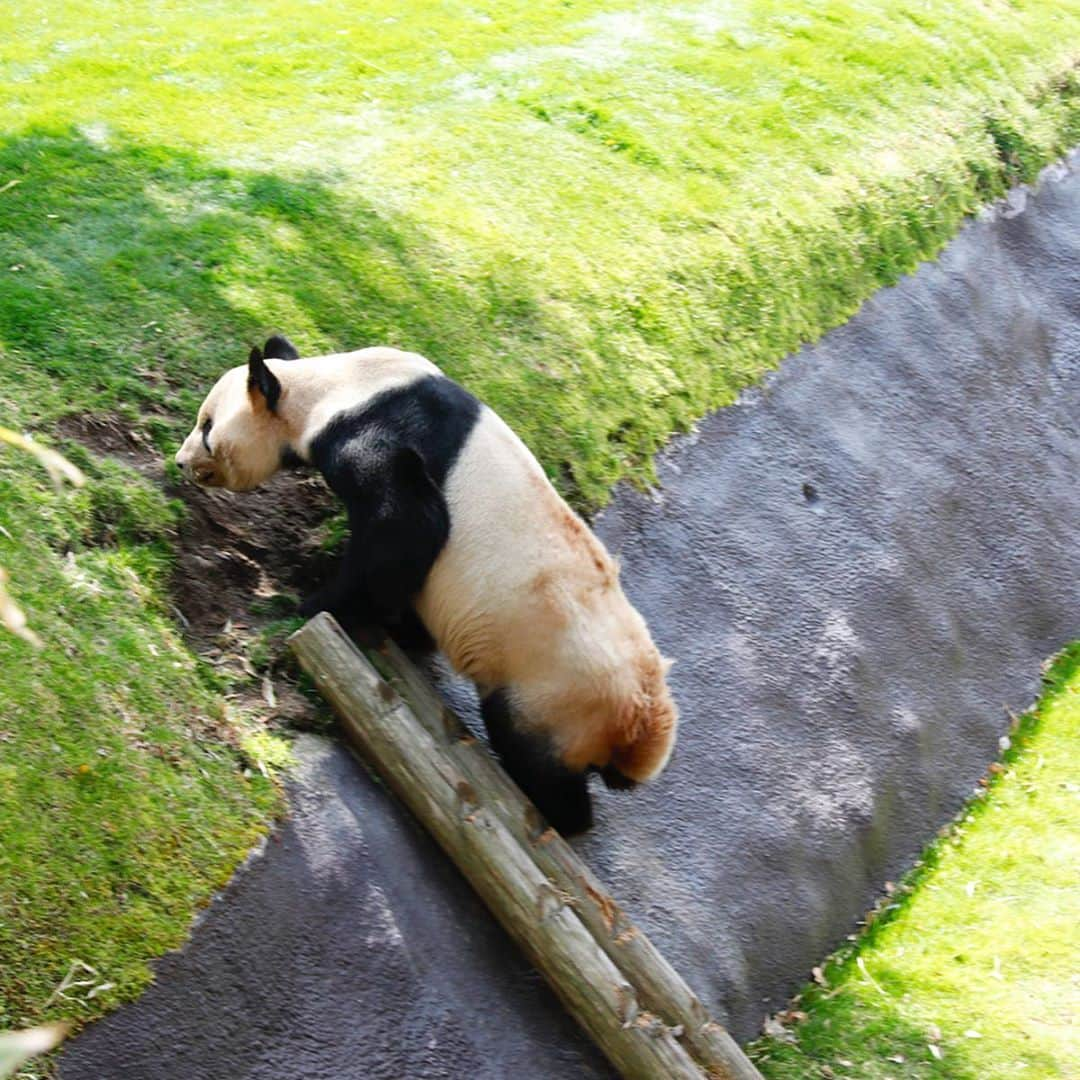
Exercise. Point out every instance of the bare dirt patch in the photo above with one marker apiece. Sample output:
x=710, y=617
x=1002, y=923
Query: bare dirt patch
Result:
x=243, y=561
x=234, y=550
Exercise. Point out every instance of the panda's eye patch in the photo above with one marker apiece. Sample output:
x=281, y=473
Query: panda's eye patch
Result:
x=207, y=425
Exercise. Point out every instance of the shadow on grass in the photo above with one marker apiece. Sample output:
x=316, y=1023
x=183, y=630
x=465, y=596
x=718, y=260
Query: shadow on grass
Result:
x=132, y=275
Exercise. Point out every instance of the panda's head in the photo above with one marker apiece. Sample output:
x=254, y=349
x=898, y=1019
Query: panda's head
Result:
x=239, y=439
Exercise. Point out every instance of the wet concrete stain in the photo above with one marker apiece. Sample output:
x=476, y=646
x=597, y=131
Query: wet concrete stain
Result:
x=859, y=569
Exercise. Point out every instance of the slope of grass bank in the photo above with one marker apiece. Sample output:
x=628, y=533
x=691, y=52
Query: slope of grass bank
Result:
x=972, y=974
x=124, y=799
x=604, y=221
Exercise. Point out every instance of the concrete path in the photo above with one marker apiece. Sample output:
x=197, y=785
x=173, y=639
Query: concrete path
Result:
x=859, y=570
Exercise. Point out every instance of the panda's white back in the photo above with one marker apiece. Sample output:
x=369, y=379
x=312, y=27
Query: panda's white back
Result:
x=524, y=595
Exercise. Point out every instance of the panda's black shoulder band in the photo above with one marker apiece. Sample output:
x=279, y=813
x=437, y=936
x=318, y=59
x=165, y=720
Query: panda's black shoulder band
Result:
x=432, y=416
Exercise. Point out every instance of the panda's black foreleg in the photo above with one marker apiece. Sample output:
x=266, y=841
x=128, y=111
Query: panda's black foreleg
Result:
x=410, y=633
x=559, y=793
x=344, y=595
x=367, y=622
x=398, y=524
x=345, y=599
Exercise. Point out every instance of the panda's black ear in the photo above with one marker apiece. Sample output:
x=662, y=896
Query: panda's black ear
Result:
x=279, y=347
x=263, y=385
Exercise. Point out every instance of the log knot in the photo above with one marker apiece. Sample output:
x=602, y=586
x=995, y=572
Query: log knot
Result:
x=468, y=799
x=549, y=901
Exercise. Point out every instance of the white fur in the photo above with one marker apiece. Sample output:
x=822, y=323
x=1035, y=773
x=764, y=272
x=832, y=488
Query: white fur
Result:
x=355, y=377
x=525, y=597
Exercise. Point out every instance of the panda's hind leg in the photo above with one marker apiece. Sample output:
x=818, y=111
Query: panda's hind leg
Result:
x=560, y=794
x=616, y=780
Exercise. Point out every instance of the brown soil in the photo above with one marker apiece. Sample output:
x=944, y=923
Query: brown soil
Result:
x=242, y=560
x=236, y=549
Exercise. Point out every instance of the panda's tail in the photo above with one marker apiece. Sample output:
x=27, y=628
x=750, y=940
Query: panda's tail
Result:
x=645, y=754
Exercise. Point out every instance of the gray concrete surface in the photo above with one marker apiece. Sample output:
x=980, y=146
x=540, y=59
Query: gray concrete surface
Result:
x=859, y=569
x=347, y=948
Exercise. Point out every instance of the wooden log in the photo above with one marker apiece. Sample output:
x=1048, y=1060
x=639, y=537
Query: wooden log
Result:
x=537, y=915
x=661, y=990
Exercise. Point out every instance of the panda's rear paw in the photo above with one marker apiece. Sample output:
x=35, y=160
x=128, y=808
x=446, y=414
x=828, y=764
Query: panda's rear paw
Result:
x=570, y=810
x=615, y=780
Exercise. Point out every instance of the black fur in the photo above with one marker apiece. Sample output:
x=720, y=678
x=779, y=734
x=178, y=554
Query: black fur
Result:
x=410, y=633
x=262, y=379
x=280, y=347
x=615, y=780
x=560, y=794
x=290, y=459
x=387, y=460
x=398, y=524
x=433, y=415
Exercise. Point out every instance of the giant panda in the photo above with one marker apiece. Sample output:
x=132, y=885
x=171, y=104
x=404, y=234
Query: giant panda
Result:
x=452, y=518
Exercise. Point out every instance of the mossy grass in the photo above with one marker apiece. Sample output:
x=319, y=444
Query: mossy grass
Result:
x=124, y=795
x=605, y=222
x=968, y=972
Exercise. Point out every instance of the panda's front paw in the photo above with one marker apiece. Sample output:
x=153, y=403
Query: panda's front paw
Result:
x=366, y=635
x=320, y=601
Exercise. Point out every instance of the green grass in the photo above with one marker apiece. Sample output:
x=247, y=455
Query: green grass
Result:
x=122, y=802
x=978, y=955
x=603, y=221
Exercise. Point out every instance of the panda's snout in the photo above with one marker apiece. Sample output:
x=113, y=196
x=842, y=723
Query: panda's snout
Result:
x=184, y=461
x=192, y=471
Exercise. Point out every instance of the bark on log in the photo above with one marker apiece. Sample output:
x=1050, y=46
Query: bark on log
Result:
x=605, y=971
